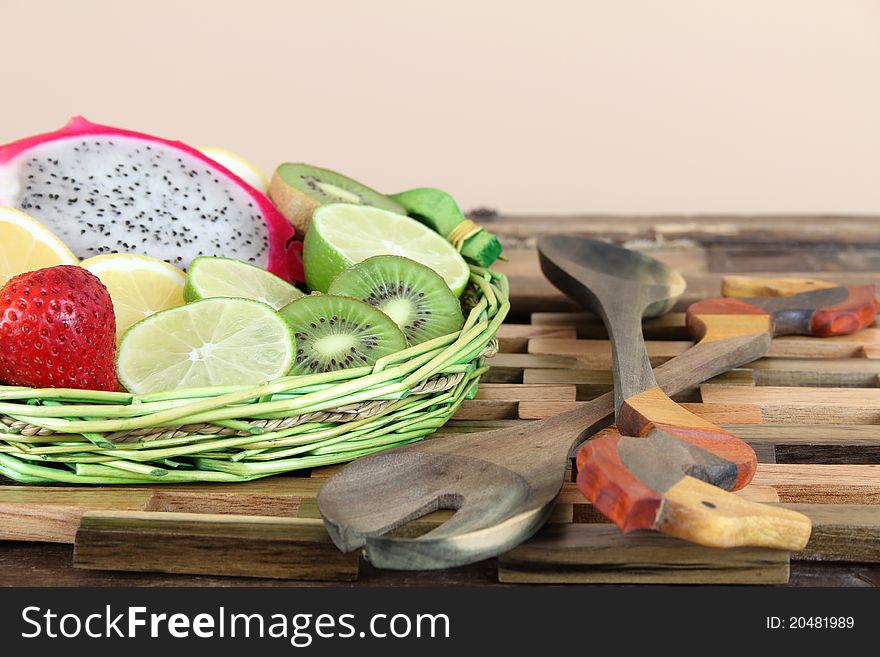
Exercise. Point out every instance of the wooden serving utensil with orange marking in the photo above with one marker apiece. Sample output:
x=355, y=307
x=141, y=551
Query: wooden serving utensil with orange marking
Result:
x=665, y=469
x=503, y=484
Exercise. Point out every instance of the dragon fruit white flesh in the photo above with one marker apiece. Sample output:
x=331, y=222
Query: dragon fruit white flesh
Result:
x=104, y=190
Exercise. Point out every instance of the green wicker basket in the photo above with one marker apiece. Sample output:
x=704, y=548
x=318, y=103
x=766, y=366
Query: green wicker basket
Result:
x=239, y=433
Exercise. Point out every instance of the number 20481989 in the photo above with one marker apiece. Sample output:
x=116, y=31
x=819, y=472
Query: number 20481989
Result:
x=810, y=623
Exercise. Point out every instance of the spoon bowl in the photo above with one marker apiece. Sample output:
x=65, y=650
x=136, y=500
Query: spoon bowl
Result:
x=588, y=270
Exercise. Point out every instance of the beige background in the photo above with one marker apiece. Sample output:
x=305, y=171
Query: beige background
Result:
x=558, y=106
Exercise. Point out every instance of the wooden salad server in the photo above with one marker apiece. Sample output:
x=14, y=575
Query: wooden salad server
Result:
x=503, y=484
x=664, y=468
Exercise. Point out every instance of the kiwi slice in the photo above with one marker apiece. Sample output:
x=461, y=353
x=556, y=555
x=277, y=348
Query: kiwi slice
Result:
x=297, y=189
x=413, y=295
x=334, y=333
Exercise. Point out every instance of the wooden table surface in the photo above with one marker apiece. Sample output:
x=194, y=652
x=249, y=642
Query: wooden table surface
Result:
x=703, y=249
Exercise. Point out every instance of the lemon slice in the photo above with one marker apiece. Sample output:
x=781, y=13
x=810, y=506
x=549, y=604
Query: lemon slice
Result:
x=223, y=277
x=140, y=286
x=27, y=245
x=241, y=167
x=343, y=234
x=212, y=342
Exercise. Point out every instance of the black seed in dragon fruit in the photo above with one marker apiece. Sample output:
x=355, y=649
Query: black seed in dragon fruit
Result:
x=105, y=190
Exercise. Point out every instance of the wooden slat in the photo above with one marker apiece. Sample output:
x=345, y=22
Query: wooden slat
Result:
x=670, y=326
x=849, y=435
x=783, y=372
x=521, y=361
x=262, y=504
x=51, y=514
x=599, y=553
x=830, y=372
x=822, y=484
x=829, y=365
x=783, y=396
x=842, y=346
x=592, y=383
x=581, y=377
x=209, y=544
x=716, y=413
x=513, y=392
x=842, y=532
x=803, y=405
x=781, y=257
x=597, y=353
x=490, y=409
x=514, y=338
x=764, y=453
x=508, y=368
x=827, y=444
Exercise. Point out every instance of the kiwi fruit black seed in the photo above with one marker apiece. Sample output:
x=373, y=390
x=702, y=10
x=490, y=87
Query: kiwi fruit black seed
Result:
x=297, y=189
x=335, y=333
x=413, y=295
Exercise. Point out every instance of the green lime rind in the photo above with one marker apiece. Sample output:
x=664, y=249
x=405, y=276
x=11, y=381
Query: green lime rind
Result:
x=321, y=261
x=335, y=333
x=210, y=342
x=342, y=234
x=209, y=277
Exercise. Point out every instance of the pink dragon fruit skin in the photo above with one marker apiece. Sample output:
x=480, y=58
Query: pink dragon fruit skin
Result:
x=80, y=207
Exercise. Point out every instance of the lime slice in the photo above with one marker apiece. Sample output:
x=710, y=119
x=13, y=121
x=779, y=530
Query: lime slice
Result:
x=140, y=286
x=342, y=234
x=241, y=167
x=213, y=342
x=223, y=277
x=27, y=245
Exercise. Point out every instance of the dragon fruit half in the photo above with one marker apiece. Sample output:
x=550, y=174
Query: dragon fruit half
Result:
x=104, y=190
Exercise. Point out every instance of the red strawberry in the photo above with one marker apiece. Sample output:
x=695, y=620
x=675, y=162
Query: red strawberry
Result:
x=57, y=330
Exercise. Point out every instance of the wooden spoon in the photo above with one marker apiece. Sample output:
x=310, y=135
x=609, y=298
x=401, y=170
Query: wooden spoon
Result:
x=502, y=483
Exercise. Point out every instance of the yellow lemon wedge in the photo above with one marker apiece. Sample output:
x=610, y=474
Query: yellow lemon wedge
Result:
x=244, y=169
x=26, y=245
x=140, y=286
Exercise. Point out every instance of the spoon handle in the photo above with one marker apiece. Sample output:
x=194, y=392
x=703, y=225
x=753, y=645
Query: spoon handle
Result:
x=630, y=364
x=821, y=313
